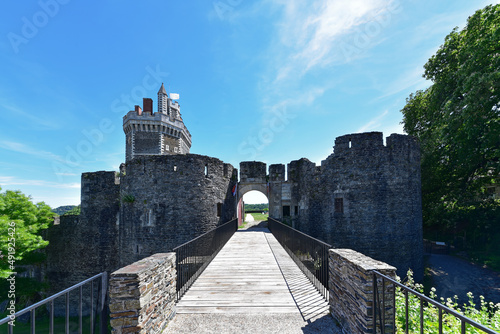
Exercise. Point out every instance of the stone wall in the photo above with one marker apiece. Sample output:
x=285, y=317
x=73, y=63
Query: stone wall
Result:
x=169, y=200
x=85, y=245
x=365, y=196
x=351, y=291
x=154, y=205
x=147, y=143
x=142, y=295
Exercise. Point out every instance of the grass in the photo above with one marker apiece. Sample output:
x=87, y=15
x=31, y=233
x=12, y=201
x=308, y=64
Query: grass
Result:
x=488, y=259
x=260, y=216
x=257, y=217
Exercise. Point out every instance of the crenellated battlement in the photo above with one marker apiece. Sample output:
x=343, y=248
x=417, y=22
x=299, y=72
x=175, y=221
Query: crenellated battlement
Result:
x=253, y=171
x=358, y=141
x=365, y=196
x=156, y=133
x=362, y=192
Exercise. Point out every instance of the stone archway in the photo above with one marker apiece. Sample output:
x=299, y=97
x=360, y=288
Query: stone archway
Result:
x=253, y=176
x=242, y=190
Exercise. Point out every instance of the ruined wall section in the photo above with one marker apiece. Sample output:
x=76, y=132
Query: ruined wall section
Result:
x=84, y=245
x=306, y=193
x=253, y=172
x=169, y=200
x=366, y=197
x=276, y=179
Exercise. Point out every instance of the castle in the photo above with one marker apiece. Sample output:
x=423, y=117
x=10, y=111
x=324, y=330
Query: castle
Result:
x=149, y=133
x=364, y=196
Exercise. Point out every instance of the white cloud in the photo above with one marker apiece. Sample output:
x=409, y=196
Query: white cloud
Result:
x=409, y=79
x=8, y=181
x=307, y=39
x=374, y=123
x=386, y=122
x=310, y=32
x=22, y=148
x=39, y=122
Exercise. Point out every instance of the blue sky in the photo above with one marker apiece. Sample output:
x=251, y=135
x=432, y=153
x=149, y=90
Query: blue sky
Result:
x=270, y=80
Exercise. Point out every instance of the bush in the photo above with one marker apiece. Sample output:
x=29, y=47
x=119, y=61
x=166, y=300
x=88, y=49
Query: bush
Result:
x=487, y=314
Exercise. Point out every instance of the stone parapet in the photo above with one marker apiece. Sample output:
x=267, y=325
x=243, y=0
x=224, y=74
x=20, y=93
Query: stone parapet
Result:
x=142, y=295
x=351, y=290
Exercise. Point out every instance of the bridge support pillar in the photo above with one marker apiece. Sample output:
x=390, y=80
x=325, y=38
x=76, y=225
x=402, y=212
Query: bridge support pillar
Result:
x=142, y=295
x=351, y=292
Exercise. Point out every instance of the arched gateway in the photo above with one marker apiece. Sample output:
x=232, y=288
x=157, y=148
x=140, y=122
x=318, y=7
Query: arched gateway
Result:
x=253, y=176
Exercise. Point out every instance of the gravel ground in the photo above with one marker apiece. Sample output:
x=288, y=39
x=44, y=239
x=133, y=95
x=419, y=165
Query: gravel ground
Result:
x=454, y=276
x=254, y=323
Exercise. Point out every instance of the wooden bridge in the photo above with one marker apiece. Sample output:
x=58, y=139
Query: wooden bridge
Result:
x=251, y=275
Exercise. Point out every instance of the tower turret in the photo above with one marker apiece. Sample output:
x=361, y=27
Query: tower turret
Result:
x=160, y=133
x=163, y=100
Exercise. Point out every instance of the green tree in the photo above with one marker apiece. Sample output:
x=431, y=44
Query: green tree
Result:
x=75, y=211
x=457, y=120
x=20, y=224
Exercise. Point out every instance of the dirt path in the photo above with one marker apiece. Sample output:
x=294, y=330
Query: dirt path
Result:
x=453, y=276
x=252, y=223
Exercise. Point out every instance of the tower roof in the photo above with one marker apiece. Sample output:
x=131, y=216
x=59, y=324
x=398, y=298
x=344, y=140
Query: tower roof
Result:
x=162, y=90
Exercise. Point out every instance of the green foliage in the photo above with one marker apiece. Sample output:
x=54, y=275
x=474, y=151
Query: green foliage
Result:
x=28, y=292
x=20, y=223
x=257, y=207
x=487, y=314
x=127, y=198
x=457, y=121
x=76, y=210
x=63, y=209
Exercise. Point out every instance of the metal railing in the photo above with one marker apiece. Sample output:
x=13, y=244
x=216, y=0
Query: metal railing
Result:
x=310, y=254
x=194, y=256
x=97, y=311
x=385, y=318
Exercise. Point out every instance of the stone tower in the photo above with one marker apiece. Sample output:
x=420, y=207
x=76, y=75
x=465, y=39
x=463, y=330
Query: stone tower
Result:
x=160, y=133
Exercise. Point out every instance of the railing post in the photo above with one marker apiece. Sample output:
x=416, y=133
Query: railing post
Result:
x=49, y=302
x=195, y=255
x=67, y=313
x=374, y=303
x=104, y=309
x=306, y=252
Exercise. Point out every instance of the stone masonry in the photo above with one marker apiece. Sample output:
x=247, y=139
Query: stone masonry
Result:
x=351, y=291
x=365, y=196
x=156, y=133
x=169, y=200
x=142, y=295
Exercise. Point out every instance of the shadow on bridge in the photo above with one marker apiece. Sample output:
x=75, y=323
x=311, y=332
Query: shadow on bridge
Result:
x=252, y=285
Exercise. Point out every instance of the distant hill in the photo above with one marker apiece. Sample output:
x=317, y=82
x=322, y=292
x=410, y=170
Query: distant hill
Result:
x=63, y=209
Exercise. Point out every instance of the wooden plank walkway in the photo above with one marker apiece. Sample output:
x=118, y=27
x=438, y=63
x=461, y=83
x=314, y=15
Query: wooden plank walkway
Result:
x=253, y=274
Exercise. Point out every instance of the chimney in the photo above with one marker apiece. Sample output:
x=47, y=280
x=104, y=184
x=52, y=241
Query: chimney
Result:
x=138, y=110
x=147, y=104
